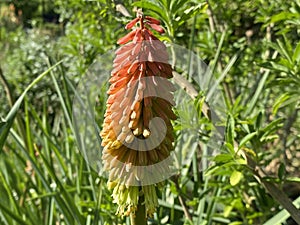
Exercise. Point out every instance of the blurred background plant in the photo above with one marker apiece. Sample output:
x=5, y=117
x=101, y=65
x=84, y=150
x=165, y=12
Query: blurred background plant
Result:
x=252, y=47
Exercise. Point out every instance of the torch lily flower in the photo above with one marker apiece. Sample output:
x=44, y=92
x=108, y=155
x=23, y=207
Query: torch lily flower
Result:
x=136, y=146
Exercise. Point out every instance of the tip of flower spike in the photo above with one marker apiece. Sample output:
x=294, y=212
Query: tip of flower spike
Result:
x=150, y=21
x=139, y=13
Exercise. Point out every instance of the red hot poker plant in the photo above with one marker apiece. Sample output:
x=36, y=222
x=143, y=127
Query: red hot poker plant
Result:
x=137, y=149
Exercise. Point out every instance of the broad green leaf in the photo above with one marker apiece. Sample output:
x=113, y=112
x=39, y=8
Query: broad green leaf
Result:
x=227, y=210
x=235, y=177
x=241, y=161
x=222, y=158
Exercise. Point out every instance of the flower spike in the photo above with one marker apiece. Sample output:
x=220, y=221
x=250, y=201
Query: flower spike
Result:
x=137, y=133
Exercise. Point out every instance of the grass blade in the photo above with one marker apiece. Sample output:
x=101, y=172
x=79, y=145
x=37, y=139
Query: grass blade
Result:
x=282, y=216
x=7, y=124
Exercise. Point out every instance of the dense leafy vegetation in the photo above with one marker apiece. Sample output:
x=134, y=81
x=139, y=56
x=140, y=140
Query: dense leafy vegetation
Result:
x=251, y=47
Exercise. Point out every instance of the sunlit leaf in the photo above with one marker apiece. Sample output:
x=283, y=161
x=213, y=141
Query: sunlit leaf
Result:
x=235, y=177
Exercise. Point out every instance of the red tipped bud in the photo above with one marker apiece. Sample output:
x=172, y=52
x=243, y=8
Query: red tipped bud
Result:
x=127, y=37
x=156, y=27
x=131, y=23
x=152, y=20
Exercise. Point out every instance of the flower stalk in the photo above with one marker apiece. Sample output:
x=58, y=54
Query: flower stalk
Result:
x=139, y=218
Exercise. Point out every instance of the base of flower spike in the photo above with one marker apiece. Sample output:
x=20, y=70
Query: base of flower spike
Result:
x=129, y=199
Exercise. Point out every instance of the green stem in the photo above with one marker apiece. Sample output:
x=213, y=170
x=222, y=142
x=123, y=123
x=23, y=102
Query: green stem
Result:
x=139, y=218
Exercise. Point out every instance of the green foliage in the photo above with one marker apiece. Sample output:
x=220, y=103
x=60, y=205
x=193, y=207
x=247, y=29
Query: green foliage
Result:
x=253, y=50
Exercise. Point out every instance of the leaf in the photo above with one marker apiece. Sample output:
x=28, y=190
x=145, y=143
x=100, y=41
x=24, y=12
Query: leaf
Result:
x=279, y=102
x=236, y=223
x=235, y=177
x=282, y=216
x=2, y=125
x=216, y=84
x=211, y=170
x=247, y=138
x=229, y=147
x=13, y=215
x=282, y=16
x=176, y=5
x=258, y=121
x=230, y=129
x=241, y=161
x=227, y=210
x=165, y=219
x=286, y=63
x=293, y=179
x=189, y=13
x=165, y=3
x=4, y=129
x=271, y=127
x=281, y=171
x=284, y=50
x=250, y=152
x=269, y=138
x=257, y=93
x=277, y=66
x=296, y=55
x=223, y=158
